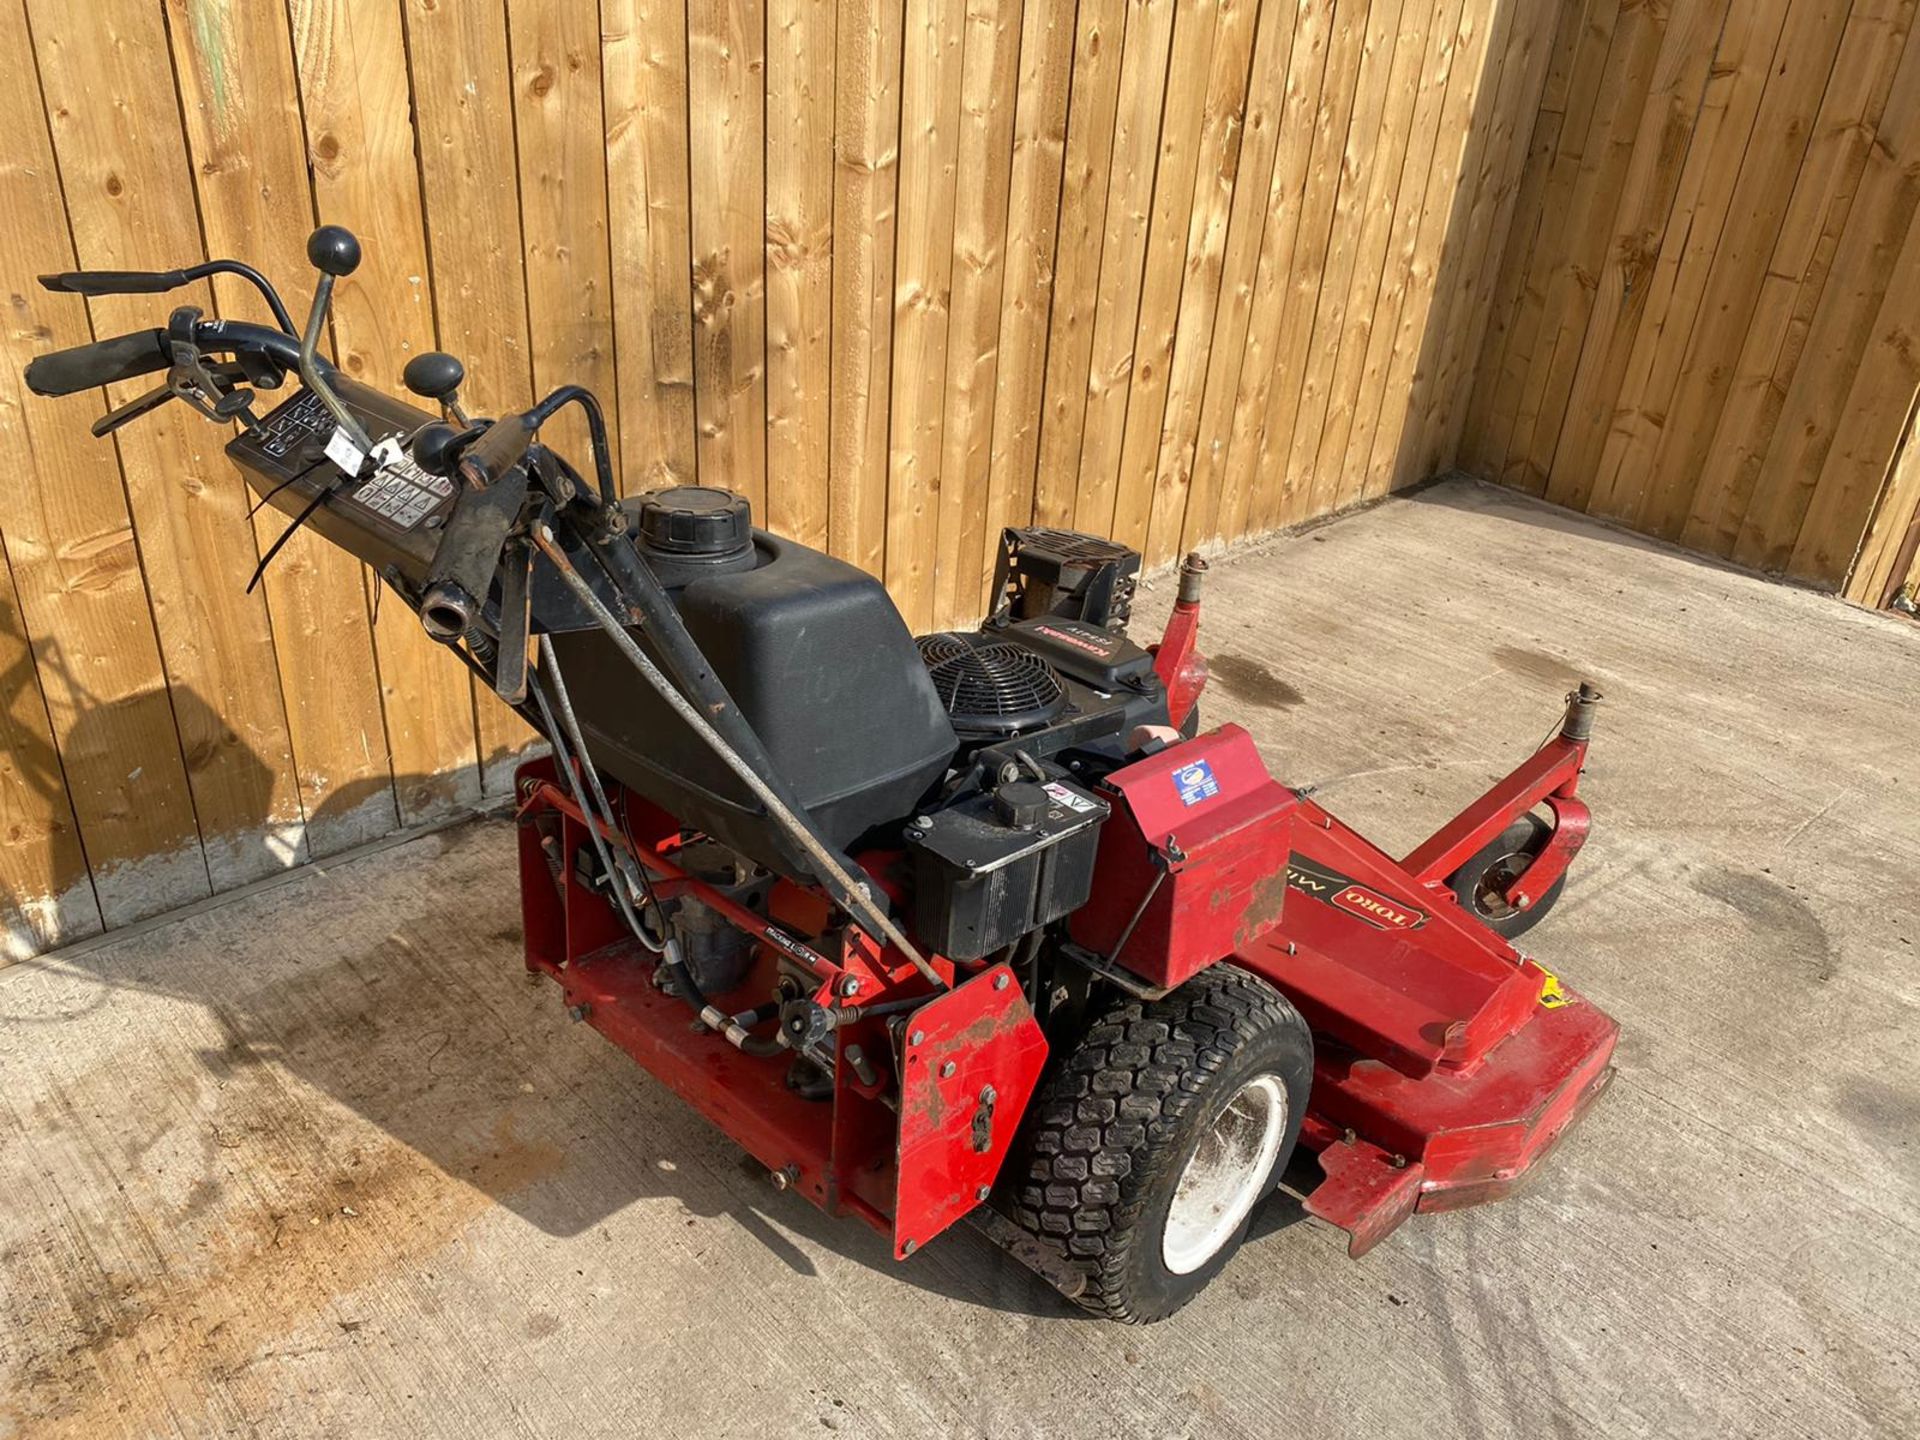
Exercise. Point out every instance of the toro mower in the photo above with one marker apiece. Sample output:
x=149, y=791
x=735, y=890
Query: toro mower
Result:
x=983, y=924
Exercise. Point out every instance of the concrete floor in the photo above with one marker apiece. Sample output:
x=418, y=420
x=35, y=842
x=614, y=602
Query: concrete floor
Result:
x=322, y=1161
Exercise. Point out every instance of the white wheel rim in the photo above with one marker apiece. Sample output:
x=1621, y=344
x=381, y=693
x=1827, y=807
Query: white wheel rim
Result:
x=1230, y=1169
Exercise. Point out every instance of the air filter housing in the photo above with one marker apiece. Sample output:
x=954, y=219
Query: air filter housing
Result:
x=992, y=689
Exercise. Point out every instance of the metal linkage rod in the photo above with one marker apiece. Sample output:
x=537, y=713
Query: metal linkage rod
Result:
x=564, y=763
x=854, y=894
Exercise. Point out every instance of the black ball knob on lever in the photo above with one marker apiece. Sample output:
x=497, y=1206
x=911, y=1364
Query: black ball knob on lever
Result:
x=334, y=251
x=436, y=375
x=436, y=448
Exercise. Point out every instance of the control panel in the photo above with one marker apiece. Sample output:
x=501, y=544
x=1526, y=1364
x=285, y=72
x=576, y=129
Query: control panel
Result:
x=390, y=515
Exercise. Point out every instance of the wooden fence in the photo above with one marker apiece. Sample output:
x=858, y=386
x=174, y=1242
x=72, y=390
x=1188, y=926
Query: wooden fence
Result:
x=1174, y=270
x=1705, y=322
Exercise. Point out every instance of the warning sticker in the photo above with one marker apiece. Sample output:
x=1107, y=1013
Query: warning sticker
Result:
x=1072, y=799
x=1552, y=996
x=404, y=493
x=1195, y=782
x=343, y=452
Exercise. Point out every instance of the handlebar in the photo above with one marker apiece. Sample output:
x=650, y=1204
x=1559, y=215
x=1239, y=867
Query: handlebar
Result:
x=88, y=367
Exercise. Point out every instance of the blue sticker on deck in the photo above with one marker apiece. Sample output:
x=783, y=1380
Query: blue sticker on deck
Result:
x=1196, y=782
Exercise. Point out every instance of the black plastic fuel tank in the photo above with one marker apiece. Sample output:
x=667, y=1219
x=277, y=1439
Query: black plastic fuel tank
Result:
x=810, y=648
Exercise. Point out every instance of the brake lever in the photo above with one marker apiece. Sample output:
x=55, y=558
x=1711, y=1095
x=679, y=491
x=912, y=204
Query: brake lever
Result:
x=231, y=400
x=132, y=410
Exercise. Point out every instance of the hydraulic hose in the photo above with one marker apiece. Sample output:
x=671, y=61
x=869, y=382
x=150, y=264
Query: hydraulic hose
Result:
x=565, y=766
x=615, y=863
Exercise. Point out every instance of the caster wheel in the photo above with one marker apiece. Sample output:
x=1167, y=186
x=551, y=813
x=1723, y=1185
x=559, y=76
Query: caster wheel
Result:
x=1481, y=884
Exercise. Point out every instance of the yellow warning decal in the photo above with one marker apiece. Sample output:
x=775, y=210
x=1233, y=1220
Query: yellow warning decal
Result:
x=1552, y=996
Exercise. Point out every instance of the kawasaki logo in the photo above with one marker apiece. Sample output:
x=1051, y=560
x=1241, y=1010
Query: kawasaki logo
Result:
x=1101, y=647
x=1343, y=892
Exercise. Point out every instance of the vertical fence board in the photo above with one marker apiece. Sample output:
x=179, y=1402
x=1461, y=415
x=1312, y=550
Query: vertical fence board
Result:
x=1221, y=147
x=560, y=131
x=1747, y=189
x=1275, y=396
x=1026, y=289
x=1099, y=50
x=1840, y=333
x=1478, y=49
x=1767, y=283
x=1300, y=122
x=1482, y=452
x=643, y=57
x=1677, y=122
x=1202, y=459
x=1504, y=378
x=799, y=264
x=1522, y=40
x=1123, y=258
x=1890, y=551
x=866, y=129
x=1183, y=138
x=1867, y=432
x=1331, y=382
x=923, y=284
x=1704, y=307
x=726, y=103
x=1397, y=276
x=983, y=177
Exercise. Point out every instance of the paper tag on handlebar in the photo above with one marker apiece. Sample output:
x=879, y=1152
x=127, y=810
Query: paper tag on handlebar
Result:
x=343, y=452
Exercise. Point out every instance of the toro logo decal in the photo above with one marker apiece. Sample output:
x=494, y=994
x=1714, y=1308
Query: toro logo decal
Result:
x=1343, y=892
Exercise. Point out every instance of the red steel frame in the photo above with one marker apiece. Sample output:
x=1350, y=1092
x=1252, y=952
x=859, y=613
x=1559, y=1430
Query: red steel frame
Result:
x=1446, y=1062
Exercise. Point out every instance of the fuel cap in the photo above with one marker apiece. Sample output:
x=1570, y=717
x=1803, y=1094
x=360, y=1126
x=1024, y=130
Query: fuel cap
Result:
x=1021, y=804
x=695, y=520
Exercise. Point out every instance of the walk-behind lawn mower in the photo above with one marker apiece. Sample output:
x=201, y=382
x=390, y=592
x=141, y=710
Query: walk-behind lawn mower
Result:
x=982, y=924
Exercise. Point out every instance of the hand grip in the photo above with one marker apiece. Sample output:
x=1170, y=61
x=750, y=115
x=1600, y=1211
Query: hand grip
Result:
x=500, y=447
x=87, y=367
x=115, y=282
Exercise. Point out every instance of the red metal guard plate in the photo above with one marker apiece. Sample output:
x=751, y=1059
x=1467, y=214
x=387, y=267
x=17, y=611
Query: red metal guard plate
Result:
x=947, y=1152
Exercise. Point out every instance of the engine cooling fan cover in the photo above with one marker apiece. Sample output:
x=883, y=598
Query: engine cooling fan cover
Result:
x=991, y=688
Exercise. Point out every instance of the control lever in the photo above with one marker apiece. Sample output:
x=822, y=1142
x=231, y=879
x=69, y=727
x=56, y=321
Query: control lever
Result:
x=132, y=410
x=436, y=375
x=335, y=254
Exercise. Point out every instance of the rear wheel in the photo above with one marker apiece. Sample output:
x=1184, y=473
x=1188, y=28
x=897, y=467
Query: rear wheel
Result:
x=1482, y=883
x=1152, y=1144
